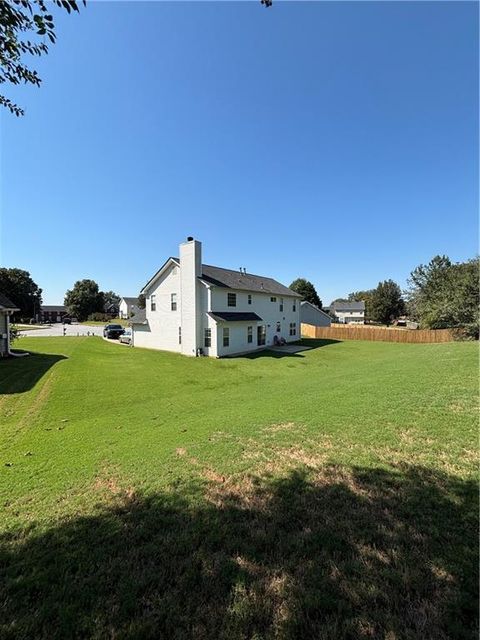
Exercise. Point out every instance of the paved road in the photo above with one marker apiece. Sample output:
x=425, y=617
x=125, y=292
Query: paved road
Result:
x=71, y=330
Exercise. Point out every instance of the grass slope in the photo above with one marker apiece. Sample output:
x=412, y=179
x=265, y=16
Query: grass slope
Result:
x=330, y=494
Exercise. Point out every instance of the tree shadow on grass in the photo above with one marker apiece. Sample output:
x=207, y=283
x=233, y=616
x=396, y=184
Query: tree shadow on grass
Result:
x=22, y=374
x=336, y=554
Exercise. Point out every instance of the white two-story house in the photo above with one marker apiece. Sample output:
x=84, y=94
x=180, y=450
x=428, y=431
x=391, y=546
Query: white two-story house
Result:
x=348, y=312
x=194, y=309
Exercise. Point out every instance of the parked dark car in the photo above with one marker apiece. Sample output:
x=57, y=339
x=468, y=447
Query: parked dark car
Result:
x=113, y=331
x=67, y=320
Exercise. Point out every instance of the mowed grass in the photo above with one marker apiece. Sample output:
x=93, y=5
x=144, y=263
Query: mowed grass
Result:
x=330, y=494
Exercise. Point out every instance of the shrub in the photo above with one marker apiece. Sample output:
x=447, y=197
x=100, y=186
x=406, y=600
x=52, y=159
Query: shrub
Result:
x=100, y=317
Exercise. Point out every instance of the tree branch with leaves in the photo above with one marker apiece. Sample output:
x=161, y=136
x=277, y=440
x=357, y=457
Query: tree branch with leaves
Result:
x=25, y=27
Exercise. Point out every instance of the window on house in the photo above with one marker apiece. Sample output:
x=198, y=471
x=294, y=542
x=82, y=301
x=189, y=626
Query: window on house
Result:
x=179, y=335
x=294, y=306
x=281, y=304
x=273, y=299
x=173, y=301
x=208, y=337
x=153, y=303
x=249, y=335
x=232, y=299
x=293, y=328
x=226, y=336
x=249, y=298
x=278, y=329
x=261, y=334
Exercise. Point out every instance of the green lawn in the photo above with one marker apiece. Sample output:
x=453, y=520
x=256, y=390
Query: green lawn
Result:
x=327, y=495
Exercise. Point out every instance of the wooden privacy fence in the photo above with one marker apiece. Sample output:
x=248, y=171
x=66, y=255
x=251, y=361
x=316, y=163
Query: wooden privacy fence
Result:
x=377, y=333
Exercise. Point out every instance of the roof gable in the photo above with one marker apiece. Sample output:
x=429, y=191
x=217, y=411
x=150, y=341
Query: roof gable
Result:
x=231, y=279
x=6, y=304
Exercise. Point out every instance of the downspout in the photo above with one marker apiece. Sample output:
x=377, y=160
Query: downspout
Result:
x=10, y=353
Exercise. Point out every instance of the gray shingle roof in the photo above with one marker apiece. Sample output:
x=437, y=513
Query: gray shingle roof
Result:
x=235, y=316
x=348, y=306
x=244, y=281
x=140, y=317
x=231, y=279
x=131, y=300
x=5, y=303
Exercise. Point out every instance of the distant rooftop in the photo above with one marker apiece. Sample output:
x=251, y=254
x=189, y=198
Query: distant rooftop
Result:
x=348, y=306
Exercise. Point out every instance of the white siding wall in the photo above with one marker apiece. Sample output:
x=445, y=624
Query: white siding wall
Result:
x=161, y=330
x=310, y=315
x=263, y=307
x=350, y=316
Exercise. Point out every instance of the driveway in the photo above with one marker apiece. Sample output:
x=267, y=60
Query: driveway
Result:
x=70, y=330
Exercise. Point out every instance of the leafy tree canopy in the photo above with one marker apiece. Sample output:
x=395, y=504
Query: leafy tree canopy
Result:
x=84, y=299
x=446, y=295
x=111, y=298
x=307, y=291
x=24, y=27
x=18, y=285
x=386, y=302
x=141, y=301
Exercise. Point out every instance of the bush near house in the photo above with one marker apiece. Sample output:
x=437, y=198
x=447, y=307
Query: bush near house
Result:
x=329, y=494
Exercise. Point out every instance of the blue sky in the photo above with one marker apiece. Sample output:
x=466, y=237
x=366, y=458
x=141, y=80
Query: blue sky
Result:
x=334, y=141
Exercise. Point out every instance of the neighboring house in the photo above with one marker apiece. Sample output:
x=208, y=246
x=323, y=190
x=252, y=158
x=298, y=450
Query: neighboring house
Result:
x=52, y=313
x=112, y=309
x=6, y=309
x=128, y=307
x=311, y=314
x=348, y=312
x=194, y=308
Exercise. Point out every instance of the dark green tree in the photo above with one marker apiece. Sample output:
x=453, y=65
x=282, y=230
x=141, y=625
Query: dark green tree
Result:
x=446, y=295
x=110, y=298
x=19, y=287
x=386, y=302
x=307, y=291
x=141, y=301
x=24, y=27
x=84, y=299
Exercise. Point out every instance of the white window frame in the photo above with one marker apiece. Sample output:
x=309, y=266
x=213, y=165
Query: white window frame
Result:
x=173, y=301
x=153, y=302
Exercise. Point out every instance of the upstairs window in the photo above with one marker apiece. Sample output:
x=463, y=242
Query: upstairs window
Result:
x=249, y=298
x=232, y=299
x=281, y=304
x=273, y=299
x=294, y=306
x=153, y=303
x=208, y=337
x=226, y=336
x=249, y=335
x=179, y=335
x=173, y=301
